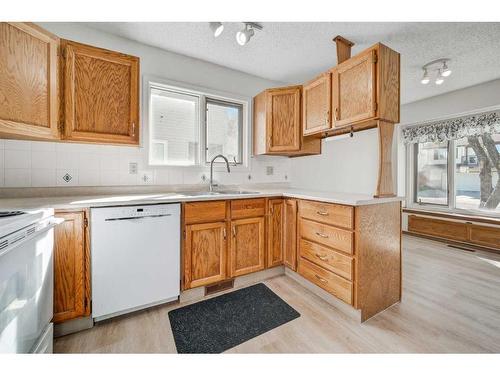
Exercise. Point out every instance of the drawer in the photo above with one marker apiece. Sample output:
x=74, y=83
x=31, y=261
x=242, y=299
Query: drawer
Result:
x=339, y=239
x=438, y=228
x=204, y=212
x=327, y=213
x=327, y=280
x=242, y=208
x=327, y=258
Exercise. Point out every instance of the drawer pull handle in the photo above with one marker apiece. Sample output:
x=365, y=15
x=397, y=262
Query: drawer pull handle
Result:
x=322, y=257
x=322, y=213
x=224, y=233
x=321, y=235
x=321, y=279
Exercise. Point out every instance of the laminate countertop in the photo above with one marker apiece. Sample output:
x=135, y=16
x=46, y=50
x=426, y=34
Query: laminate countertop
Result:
x=89, y=201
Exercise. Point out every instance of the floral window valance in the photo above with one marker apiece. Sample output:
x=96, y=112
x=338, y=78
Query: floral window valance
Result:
x=460, y=127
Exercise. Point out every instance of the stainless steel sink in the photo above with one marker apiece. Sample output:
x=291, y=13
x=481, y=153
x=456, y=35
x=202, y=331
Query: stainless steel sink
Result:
x=219, y=192
x=235, y=192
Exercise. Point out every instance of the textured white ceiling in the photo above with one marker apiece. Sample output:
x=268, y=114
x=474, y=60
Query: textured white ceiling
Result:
x=294, y=52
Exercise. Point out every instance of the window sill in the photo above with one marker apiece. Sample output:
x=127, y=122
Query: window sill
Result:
x=474, y=217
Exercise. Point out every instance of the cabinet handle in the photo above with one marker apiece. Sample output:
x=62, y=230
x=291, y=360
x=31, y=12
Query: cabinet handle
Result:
x=322, y=213
x=133, y=129
x=321, y=279
x=224, y=233
x=322, y=257
x=328, y=116
x=321, y=235
x=234, y=231
x=336, y=114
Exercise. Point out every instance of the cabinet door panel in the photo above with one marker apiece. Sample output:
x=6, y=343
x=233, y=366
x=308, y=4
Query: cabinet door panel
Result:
x=290, y=234
x=101, y=95
x=275, y=233
x=70, y=268
x=204, y=254
x=283, y=120
x=28, y=76
x=354, y=85
x=247, y=246
x=316, y=105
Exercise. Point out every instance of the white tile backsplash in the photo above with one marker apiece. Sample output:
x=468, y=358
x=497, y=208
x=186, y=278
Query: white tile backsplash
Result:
x=41, y=164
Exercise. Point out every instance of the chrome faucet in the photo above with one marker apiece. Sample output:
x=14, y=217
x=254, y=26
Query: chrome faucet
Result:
x=212, y=185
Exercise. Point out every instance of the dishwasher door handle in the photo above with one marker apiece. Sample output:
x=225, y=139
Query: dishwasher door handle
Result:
x=135, y=217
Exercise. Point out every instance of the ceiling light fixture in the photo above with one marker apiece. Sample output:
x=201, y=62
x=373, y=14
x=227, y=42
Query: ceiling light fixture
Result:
x=441, y=69
x=244, y=35
x=425, y=79
x=217, y=28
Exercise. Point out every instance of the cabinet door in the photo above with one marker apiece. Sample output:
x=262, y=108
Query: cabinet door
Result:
x=28, y=76
x=354, y=89
x=290, y=234
x=247, y=252
x=283, y=119
x=316, y=102
x=71, y=268
x=204, y=254
x=275, y=233
x=101, y=95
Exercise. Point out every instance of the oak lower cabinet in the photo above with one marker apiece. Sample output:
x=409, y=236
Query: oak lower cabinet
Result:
x=204, y=254
x=247, y=252
x=353, y=253
x=101, y=95
x=316, y=105
x=290, y=234
x=277, y=124
x=71, y=267
x=367, y=87
x=28, y=82
x=275, y=233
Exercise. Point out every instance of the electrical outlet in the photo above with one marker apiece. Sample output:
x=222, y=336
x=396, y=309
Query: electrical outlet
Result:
x=132, y=168
x=146, y=177
x=269, y=170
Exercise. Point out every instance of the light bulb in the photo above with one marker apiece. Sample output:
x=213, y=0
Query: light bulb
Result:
x=243, y=36
x=217, y=28
x=439, y=79
x=446, y=72
x=425, y=79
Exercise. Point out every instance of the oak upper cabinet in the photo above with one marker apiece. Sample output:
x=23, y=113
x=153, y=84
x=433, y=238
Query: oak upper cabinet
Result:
x=277, y=124
x=71, y=268
x=275, y=233
x=290, y=234
x=29, y=105
x=204, y=254
x=366, y=87
x=101, y=95
x=316, y=104
x=247, y=252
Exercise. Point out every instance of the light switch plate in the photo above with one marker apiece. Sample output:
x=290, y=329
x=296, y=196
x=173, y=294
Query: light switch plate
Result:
x=269, y=170
x=132, y=168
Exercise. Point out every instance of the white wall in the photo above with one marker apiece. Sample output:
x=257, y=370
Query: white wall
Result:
x=25, y=164
x=473, y=98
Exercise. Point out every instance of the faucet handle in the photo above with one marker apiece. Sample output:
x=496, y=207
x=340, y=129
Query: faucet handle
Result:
x=235, y=163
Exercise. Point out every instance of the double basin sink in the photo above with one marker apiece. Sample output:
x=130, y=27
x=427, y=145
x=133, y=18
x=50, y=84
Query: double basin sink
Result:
x=218, y=192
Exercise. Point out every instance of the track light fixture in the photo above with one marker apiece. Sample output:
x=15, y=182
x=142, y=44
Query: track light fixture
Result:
x=243, y=36
x=217, y=28
x=440, y=66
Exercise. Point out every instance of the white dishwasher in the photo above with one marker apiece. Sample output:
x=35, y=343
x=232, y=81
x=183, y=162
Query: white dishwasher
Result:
x=135, y=253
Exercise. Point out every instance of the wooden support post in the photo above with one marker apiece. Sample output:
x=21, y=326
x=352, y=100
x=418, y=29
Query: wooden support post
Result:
x=343, y=48
x=385, y=186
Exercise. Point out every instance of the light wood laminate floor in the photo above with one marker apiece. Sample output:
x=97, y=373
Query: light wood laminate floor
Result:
x=451, y=303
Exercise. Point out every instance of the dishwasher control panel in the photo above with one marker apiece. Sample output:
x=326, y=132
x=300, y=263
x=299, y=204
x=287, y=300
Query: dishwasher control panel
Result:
x=140, y=211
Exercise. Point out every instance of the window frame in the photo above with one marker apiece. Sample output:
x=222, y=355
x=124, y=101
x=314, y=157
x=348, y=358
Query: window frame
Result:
x=411, y=181
x=154, y=82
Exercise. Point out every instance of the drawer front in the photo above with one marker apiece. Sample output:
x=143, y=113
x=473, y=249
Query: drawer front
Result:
x=204, y=212
x=338, y=239
x=327, y=213
x=327, y=258
x=327, y=280
x=485, y=236
x=243, y=208
x=438, y=228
